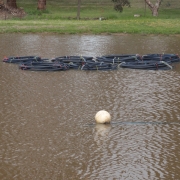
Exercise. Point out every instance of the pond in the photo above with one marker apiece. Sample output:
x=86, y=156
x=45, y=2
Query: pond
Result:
x=47, y=121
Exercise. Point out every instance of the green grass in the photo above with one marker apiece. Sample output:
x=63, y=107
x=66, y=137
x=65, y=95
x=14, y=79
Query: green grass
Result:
x=60, y=18
x=66, y=12
x=140, y=26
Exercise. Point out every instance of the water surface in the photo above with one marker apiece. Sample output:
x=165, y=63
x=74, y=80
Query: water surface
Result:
x=45, y=116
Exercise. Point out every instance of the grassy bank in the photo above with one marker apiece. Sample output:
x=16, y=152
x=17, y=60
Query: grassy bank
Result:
x=62, y=19
x=140, y=26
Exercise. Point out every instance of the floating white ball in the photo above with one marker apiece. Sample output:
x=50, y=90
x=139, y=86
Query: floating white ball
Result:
x=103, y=117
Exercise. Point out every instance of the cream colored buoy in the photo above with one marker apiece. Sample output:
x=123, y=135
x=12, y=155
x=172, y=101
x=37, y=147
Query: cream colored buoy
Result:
x=103, y=117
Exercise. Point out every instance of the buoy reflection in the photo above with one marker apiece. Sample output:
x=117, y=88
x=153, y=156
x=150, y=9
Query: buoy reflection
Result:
x=101, y=133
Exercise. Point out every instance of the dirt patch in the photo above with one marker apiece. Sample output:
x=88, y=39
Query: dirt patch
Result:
x=5, y=15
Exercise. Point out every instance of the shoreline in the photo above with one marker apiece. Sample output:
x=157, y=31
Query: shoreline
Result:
x=141, y=26
x=95, y=34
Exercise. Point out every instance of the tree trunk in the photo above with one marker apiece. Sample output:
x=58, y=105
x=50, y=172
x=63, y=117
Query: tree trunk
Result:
x=12, y=4
x=10, y=8
x=78, y=9
x=155, y=11
x=41, y=5
x=154, y=8
x=1, y=3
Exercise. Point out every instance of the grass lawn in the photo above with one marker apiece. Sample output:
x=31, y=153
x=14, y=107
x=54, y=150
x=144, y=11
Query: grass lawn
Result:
x=58, y=18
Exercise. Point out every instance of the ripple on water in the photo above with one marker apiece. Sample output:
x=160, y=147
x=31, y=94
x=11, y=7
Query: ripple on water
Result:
x=42, y=132
x=133, y=152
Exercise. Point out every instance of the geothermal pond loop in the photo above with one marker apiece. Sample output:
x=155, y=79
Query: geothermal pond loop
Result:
x=102, y=63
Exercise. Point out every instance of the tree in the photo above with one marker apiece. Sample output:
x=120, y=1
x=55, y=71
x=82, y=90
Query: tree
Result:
x=41, y=5
x=78, y=9
x=10, y=8
x=119, y=4
x=154, y=7
x=12, y=4
x=1, y=3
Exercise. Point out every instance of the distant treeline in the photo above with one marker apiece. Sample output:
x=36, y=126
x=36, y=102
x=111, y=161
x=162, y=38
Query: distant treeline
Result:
x=134, y=3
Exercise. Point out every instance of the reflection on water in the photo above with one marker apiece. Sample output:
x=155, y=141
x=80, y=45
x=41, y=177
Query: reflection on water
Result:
x=90, y=45
x=43, y=113
x=101, y=133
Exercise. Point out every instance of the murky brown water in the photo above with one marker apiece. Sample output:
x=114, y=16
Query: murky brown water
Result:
x=45, y=115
